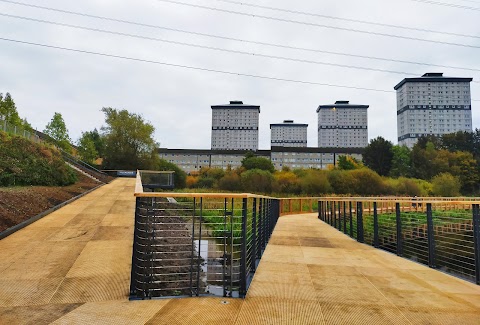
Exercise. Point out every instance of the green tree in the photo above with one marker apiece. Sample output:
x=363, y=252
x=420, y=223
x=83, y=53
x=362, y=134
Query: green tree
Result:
x=445, y=184
x=58, y=131
x=129, y=142
x=422, y=160
x=86, y=149
x=8, y=110
x=476, y=144
x=401, y=162
x=348, y=163
x=180, y=177
x=459, y=141
x=97, y=140
x=378, y=156
x=425, y=139
x=468, y=171
x=253, y=162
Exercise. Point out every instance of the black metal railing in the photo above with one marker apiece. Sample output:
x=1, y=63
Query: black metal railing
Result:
x=85, y=167
x=443, y=235
x=191, y=244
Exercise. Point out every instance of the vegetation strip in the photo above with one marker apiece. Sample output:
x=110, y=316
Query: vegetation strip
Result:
x=39, y=216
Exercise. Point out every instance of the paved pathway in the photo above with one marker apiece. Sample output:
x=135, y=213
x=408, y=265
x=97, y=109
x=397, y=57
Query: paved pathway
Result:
x=73, y=267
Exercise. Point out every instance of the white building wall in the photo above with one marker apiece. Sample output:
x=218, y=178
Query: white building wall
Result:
x=288, y=135
x=189, y=161
x=432, y=108
x=235, y=128
x=342, y=127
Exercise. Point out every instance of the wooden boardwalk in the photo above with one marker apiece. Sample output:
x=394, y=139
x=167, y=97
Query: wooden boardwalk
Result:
x=73, y=267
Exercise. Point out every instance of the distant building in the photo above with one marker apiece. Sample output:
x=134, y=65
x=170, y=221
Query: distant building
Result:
x=432, y=105
x=288, y=134
x=191, y=160
x=235, y=126
x=342, y=125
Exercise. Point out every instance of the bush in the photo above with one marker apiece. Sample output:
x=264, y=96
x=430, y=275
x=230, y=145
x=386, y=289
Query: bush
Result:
x=287, y=182
x=424, y=186
x=252, y=162
x=315, y=182
x=191, y=181
x=257, y=180
x=23, y=162
x=230, y=182
x=402, y=187
x=180, y=177
x=342, y=182
x=205, y=182
x=367, y=182
x=446, y=184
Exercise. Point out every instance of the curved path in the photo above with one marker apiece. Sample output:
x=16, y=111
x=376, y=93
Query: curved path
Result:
x=73, y=267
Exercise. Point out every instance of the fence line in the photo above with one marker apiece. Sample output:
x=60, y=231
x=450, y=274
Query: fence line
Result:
x=19, y=131
x=443, y=235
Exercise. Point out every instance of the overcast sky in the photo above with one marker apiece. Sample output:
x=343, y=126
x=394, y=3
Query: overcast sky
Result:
x=177, y=100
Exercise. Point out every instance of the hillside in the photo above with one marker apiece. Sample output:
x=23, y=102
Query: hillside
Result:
x=34, y=178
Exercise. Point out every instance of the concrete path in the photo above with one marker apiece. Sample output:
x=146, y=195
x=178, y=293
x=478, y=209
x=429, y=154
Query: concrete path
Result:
x=73, y=267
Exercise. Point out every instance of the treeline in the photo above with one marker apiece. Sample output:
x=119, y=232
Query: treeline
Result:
x=442, y=166
x=449, y=161
x=124, y=142
x=257, y=174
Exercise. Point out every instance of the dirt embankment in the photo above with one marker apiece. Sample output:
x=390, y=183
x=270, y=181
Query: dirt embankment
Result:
x=18, y=204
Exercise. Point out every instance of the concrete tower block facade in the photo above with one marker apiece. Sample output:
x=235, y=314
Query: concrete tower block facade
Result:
x=342, y=125
x=288, y=134
x=235, y=126
x=432, y=105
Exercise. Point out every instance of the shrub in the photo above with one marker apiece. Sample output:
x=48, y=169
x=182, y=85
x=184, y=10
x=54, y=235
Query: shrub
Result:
x=342, y=182
x=180, y=177
x=23, y=162
x=230, y=182
x=367, y=182
x=287, y=182
x=446, y=184
x=257, y=180
x=315, y=182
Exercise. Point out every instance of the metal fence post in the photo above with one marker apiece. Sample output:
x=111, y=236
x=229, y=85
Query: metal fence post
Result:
x=327, y=212
x=375, y=226
x=193, y=251
x=399, y=230
x=344, y=217
x=476, y=239
x=339, y=215
x=243, y=258
x=351, y=218
x=431, y=237
x=334, y=213
x=324, y=211
x=320, y=210
x=134, y=292
x=260, y=227
x=360, y=237
x=254, y=235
